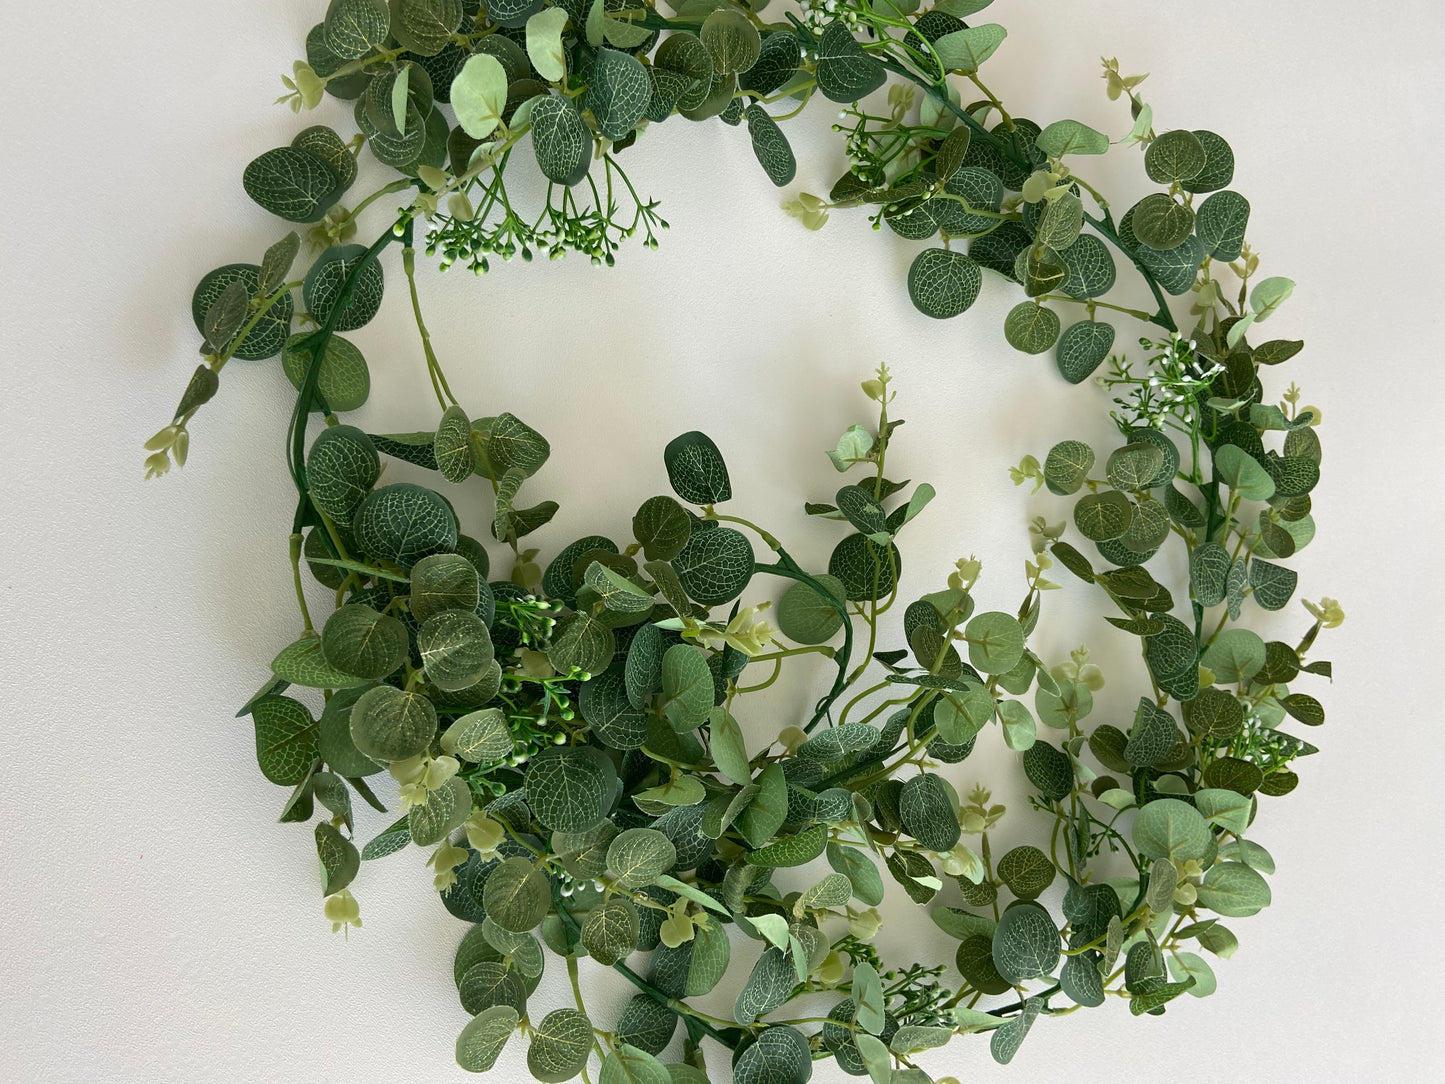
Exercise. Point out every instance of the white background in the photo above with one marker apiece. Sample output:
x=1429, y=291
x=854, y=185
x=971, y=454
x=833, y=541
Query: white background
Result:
x=159, y=926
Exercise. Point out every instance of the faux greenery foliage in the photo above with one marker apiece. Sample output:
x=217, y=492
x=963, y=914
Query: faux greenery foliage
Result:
x=565, y=732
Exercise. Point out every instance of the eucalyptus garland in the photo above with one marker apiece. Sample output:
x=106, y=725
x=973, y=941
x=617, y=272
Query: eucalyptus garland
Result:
x=566, y=735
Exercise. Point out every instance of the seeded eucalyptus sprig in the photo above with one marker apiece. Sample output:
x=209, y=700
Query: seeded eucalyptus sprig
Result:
x=566, y=737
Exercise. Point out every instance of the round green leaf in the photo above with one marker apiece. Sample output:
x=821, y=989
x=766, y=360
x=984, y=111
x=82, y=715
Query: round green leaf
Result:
x=402, y=523
x=1234, y=890
x=1027, y=871
x=771, y=147
x=456, y=649
x=995, y=642
x=806, y=617
x=695, y=467
x=639, y=856
x=344, y=379
x=662, y=526
x=845, y=72
x=1025, y=943
x=1134, y=466
x=943, y=283
x=1161, y=222
x=479, y=94
x=780, y=1056
x=610, y=931
x=443, y=581
x=1174, y=156
x=1083, y=347
x=1091, y=268
x=1102, y=516
x=561, y=140
x=341, y=468
x=618, y=92
x=388, y=724
x=629, y=1065
x=359, y=641
x=1220, y=223
x=1067, y=466
x=731, y=40
x=354, y=27
x=324, y=282
x=865, y=569
x=1031, y=327
x=286, y=739
x=452, y=446
x=517, y=895
x=687, y=686
x=926, y=809
x=292, y=183
x=1169, y=828
x=267, y=337
x=568, y=788
x=561, y=1043
x=481, y=1041
x=1236, y=655
x=1218, y=168
x=714, y=566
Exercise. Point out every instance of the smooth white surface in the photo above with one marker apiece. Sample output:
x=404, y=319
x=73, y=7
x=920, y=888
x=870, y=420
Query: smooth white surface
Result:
x=159, y=926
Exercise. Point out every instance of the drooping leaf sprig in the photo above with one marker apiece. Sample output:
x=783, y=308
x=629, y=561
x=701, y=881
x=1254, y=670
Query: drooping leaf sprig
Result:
x=565, y=737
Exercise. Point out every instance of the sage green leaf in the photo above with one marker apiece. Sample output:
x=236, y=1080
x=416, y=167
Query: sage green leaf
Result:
x=806, y=617
x=479, y=94
x=1091, y=268
x=1133, y=466
x=974, y=959
x=1081, y=982
x=359, y=641
x=1041, y=269
x=1025, y=943
x=643, y=671
x=1071, y=137
x=1152, y=737
x=341, y=468
x=610, y=932
x=1102, y=516
x=959, y=718
x=1027, y=871
x=1236, y=655
x=292, y=184
x=687, y=687
x=771, y=147
x=711, y=954
x=1061, y=222
x=327, y=278
x=1273, y=584
x=224, y=318
x=389, y=724
x=1208, y=571
x=834, y=890
x=685, y=54
x=1031, y=328
x=1226, y=808
x=512, y=444
x=1161, y=222
x=715, y=565
x=838, y=741
x=425, y=27
x=780, y=1056
x=481, y=1041
x=1018, y=726
x=965, y=50
x=926, y=808
x=1067, y=466
x=1305, y=708
x=456, y=649
x=1050, y=770
x=1083, y=346
x=731, y=40
x=561, y=140
x=1214, y=715
x=452, y=448
x=430, y=821
x=353, y=27
x=639, y=856
x=336, y=747
x=765, y=814
x=1220, y=223
x=795, y=850
x=729, y=752
x=995, y=642
x=262, y=341
x=845, y=73
x=481, y=737
x=695, y=467
x=862, y=874
x=1174, y=156
x=344, y=379
x=615, y=591
x=1186, y=966
x=443, y=581
x=1169, y=828
x=544, y=43
x=943, y=283
x=276, y=263
x=630, y=1065
x=1234, y=890
x=302, y=663
x=618, y=92
x=517, y=895
x=561, y=1043
x=286, y=739
x=568, y=787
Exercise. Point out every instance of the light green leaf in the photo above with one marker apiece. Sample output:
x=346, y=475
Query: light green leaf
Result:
x=479, y=92
x=965, y=50
x=1170, y=828
x=481, y=1041
x=1071, y=137
x=1234, y=890
x=544, y=43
